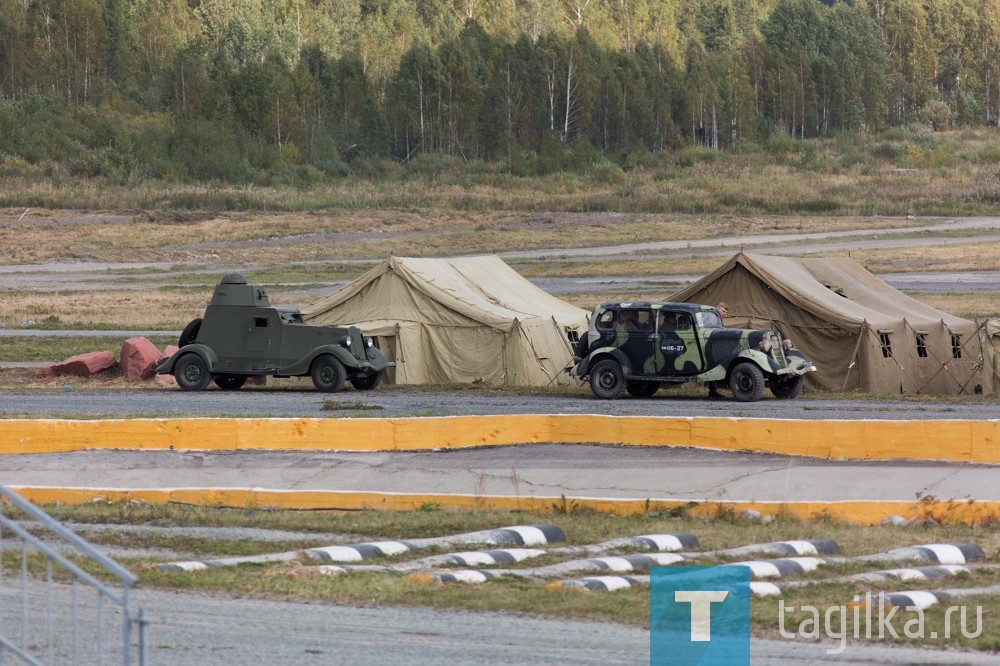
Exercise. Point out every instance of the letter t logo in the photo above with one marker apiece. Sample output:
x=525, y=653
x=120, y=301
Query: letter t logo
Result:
x=701, y=610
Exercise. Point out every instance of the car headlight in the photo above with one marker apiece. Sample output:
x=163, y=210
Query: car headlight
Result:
x=765, y=344
x=347, y=342
x=369, y=343
x=786, y=344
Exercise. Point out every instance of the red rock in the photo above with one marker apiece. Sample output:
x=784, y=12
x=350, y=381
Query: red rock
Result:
x=82, y=365
x=165, y=380
x=138, y=359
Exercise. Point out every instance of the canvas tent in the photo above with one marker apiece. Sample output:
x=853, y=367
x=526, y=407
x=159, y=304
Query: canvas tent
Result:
x=458, y=320
x=860, y=332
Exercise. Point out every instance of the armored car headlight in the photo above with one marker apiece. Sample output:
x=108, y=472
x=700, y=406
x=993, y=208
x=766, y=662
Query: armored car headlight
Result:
x=786, y=344
x=369, y=343
x=348, y=342
x=765, y=344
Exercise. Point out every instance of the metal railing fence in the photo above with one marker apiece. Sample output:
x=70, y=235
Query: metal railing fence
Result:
x=52, y=610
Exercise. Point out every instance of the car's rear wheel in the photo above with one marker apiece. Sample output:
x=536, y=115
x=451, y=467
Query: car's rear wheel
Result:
x=367, y=382
x=191, y=373
x=607, y=379
x=788, y=387
x=747, y=382
x=230, y=382
x=328, y=374
x=641, y=389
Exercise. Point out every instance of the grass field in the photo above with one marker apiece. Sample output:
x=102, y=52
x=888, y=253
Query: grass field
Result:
x=300, y=580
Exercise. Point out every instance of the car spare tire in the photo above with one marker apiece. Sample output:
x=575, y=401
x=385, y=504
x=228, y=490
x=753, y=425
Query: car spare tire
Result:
x=190, y=333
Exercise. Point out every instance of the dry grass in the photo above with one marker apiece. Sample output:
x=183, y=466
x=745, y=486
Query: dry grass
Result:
x=967, y=306
x=368, y=234
x=160, y=309
x=944, y=255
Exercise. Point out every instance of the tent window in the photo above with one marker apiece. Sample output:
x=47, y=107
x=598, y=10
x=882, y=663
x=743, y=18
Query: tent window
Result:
x=956, y=345
x=886, y=345
x=922, y=345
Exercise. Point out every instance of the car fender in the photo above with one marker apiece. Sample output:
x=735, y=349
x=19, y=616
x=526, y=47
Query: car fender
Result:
x=303, y=365
x=166, y=366
x=377, y=359
x=582, y=368
x=797, y=364
x=763, y=361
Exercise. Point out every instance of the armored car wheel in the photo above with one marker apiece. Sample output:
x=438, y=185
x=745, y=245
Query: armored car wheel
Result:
x=367, y=382
x=642, y=389
x=747, y=382
x=230, y=382
x=787, y=387
x=328, y=374
x=191, y=373
x=607, y=379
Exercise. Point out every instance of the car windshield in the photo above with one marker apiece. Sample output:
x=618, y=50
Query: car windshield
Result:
x=709, y=319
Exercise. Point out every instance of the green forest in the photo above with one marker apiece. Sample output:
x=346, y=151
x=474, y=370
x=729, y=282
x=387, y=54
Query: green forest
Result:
x=291, y=92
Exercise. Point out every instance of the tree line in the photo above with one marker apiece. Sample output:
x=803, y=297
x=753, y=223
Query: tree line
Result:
x=226, y=89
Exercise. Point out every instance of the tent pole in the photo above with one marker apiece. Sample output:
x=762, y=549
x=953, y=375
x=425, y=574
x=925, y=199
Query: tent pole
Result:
x=854, y=357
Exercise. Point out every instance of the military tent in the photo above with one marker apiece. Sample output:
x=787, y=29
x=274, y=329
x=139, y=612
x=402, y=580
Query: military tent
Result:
x=860, y=332
x=458, y=320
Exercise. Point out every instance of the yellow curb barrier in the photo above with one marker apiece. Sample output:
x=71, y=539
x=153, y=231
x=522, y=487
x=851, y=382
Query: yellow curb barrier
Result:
x=850, y=511
x=947, y=440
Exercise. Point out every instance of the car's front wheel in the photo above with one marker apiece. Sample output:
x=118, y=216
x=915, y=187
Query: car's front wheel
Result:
x=328, y=374
x=642, y=389
x=367, y=382
x=191, y=373
x=787, y=388
x=747, y=382
x=607, y=379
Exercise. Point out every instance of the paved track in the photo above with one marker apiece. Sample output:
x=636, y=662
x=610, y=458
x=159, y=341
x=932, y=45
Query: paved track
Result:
x=405, y=402
x=524, y=471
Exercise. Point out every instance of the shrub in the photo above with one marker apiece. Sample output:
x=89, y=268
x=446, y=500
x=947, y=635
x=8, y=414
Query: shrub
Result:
x=300, y=176
x=433, y=164
x=937, y=114
x=209, y=150
x=334, y=167
x=376, y=167
x=607, y=172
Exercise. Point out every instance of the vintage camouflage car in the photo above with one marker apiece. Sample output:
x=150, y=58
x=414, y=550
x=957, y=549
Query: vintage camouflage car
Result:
x=636, y=347
x=242, y=335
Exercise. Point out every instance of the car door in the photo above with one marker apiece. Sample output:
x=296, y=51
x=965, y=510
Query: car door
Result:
x=262, y=340
x=677, y=344
x=636, y=337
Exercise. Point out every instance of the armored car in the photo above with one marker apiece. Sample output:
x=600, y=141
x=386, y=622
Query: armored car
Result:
x=242, y=335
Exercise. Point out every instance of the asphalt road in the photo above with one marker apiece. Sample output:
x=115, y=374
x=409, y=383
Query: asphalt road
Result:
x=405, y=402
x=201, y=630
x=545, y=471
